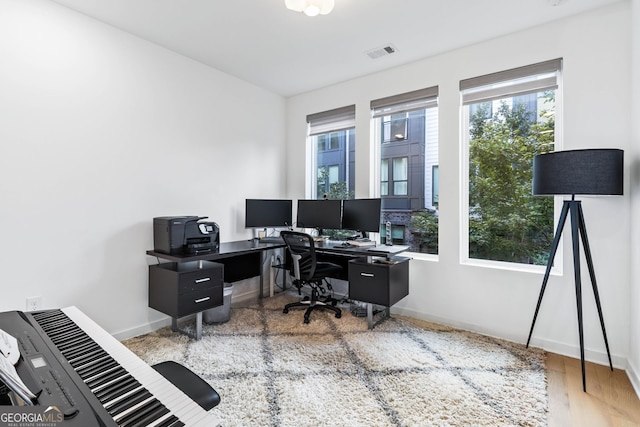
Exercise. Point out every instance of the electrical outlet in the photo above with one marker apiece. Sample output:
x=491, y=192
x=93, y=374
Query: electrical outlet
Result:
x=34, y=303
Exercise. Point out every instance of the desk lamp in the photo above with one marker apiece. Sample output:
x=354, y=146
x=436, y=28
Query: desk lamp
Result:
x=586, y=172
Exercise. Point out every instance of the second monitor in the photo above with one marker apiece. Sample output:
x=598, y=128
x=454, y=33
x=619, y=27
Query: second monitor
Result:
x=319, y=214
x=262, y=213
x=361, y=215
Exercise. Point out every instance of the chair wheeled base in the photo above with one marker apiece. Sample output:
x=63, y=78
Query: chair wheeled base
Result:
x=314, y=303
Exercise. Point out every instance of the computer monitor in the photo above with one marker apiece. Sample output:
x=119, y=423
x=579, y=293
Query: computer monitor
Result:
x=362, y=215
x=319, y=214
x=262, y=213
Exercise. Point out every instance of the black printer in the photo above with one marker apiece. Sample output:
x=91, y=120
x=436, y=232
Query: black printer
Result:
x=185, y=235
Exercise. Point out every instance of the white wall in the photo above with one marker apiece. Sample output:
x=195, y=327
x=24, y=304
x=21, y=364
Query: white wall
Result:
x=597, y=74
x=634, y=160
x=100, y=132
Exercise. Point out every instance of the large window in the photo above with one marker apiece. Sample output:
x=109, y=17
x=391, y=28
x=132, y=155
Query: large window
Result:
x=407, y=136
x=508, y=117
x=333, y=139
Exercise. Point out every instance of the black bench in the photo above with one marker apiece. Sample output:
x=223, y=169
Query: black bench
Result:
x=190, y=384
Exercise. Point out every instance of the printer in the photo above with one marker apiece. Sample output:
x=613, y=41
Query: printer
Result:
x=185, y=235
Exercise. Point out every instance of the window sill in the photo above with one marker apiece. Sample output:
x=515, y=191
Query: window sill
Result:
x=511, y=266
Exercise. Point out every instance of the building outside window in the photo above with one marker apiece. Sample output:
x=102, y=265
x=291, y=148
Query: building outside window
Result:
x=332, y=135
x=407, y=136
x=508, y=118
x=394, y=127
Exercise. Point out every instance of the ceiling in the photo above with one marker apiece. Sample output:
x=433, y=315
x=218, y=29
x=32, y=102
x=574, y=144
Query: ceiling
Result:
x=286, y=52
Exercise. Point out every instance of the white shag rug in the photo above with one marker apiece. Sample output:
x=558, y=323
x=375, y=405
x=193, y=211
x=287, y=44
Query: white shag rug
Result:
x=271, y=369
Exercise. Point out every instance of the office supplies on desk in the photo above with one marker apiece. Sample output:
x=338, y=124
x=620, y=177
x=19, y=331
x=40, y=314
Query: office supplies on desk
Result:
x=185, y=234
x=361, y=243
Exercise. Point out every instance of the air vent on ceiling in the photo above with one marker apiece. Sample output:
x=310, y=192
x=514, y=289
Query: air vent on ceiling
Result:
x=381, y=51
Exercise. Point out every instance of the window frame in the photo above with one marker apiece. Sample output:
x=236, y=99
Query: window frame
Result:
x=505, y=76
x=327, y=123
x=422, y=99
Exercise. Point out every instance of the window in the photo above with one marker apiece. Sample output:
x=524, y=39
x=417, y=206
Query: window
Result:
x=327, y=176
x=398, y=169
x=328, y=141
x=394, y=128
x=332, y=135
x=397, y=234
x=508, y=118
x=435, y=184
x=400, y=178
x=384, y=177
x=407, y=136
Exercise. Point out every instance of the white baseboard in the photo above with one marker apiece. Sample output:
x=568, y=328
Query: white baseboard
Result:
x=599, y=357
x=634, y=376
x=142, y=329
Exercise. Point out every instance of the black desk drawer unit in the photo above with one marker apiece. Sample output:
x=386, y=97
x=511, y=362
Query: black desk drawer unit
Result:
x=378, y=283
x=180, y=289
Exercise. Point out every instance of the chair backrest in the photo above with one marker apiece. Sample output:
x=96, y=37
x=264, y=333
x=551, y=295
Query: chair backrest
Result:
x=303, y=254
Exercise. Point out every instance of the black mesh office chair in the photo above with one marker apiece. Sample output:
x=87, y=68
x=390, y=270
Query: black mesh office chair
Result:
x=305, y=269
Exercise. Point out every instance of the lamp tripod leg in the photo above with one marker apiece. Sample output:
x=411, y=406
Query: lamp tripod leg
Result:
x=552, y=254
x=576, y=271
x=592, y=274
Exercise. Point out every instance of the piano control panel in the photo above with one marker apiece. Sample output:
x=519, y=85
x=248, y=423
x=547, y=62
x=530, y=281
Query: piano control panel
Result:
x=44, y=374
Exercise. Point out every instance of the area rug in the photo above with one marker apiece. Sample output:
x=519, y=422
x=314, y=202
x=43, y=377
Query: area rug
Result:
x=271, y=369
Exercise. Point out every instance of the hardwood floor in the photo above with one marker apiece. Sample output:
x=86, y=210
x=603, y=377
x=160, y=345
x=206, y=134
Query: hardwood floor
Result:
x=610, y=399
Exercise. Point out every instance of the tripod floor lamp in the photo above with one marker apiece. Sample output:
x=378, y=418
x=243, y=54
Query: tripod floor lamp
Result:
x=586, y=172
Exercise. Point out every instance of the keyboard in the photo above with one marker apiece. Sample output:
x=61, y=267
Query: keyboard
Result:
x=92, y=378
x=272, y=239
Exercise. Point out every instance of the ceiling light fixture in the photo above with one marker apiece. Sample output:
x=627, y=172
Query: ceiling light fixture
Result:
x=310, y=7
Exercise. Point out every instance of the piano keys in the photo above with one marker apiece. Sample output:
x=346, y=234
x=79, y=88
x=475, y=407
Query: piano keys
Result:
x=92, y=377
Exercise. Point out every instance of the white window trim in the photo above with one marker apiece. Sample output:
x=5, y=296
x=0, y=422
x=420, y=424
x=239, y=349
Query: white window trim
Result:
x=375, y=133
x=558, y=267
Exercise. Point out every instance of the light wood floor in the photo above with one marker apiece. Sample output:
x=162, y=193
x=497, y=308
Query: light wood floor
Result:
x=610, y=399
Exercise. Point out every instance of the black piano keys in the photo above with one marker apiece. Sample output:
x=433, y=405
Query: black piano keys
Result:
x=124, y=398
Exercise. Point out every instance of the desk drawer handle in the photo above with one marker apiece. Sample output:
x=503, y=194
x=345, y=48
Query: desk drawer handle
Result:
x=202, y=300
x=206, y=279
x=367, y=274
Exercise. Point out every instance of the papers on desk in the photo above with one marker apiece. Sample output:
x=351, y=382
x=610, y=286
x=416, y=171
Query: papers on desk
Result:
x=361, y=243
x=393, y=249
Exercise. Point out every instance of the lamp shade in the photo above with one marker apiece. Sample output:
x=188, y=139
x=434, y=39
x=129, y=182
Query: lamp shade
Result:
x=590, y=171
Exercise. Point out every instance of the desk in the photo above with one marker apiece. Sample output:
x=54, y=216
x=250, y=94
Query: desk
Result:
x=376, y=274
x=241, y=260
x=245, y=258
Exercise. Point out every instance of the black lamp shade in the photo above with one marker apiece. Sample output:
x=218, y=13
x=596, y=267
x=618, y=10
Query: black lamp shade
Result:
x=591, y=171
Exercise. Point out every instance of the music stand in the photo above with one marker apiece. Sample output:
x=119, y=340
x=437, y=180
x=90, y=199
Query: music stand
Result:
x=586, y=172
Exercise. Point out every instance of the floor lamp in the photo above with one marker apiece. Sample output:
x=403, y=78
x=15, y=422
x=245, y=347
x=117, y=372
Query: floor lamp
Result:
x=586, y=172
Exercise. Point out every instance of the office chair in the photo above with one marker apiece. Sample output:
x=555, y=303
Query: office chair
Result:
x=305, y=269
